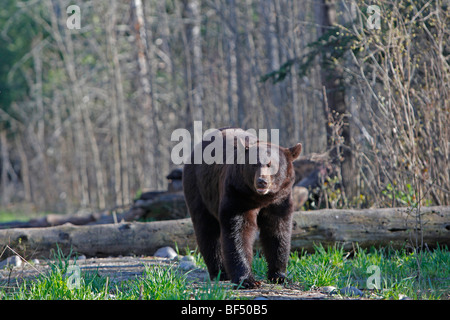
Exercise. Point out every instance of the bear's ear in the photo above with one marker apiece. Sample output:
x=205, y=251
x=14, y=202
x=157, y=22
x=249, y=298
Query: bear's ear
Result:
x=296, y=150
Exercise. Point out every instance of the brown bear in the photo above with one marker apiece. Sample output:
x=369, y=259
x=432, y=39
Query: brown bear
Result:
x=229, y=200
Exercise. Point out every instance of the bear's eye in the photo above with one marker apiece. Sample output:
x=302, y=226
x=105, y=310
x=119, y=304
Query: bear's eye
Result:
x=269, y=164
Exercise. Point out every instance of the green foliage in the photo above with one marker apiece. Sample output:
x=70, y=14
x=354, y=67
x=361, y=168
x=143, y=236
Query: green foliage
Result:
x=18, y=31
x=330, y=47
x=280, y=74
x=403, y=198
x=418, y=275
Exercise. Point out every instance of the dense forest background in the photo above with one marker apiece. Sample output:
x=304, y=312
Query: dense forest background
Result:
x=86, y=115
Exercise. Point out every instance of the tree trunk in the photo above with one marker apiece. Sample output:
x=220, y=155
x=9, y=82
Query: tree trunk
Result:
x=4, y=161
x=395, y=227
x=193, y=56
x=335, y=109
x=251, y=76
x=273, y=56
x=148, y=120
x=24, y=169
x=119, y=122
x=123, y=118
x=229, y=43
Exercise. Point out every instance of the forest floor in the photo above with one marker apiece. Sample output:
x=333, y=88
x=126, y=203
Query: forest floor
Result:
x=122, y=269
x=326, y=274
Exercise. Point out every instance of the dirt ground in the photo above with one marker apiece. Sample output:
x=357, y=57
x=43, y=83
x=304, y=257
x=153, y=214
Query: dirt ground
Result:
x=123, y=268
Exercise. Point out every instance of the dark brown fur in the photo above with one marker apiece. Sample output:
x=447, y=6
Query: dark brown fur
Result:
x=227, y=205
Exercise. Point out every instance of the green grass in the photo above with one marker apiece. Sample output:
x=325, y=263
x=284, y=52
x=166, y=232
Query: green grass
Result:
x=417, y=275
x=167, y=283
x=156, y=283
x=55, y=284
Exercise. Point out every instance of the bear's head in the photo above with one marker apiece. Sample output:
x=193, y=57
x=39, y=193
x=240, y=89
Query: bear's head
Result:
x=268, y=167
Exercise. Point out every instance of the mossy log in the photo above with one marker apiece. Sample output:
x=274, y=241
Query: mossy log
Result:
x=395, y=227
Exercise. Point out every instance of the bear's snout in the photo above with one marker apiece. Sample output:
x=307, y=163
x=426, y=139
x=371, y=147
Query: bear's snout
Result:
x=261, y=185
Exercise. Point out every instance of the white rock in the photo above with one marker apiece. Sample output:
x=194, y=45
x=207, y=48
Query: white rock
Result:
x=14, y=261
x=165, y=252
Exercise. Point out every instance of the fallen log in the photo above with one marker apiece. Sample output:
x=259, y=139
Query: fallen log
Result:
x=395, y=227
x=103, y=240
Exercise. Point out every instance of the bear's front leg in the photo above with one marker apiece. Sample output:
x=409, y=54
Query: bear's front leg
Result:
x=238, y=232
x=275, y=223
